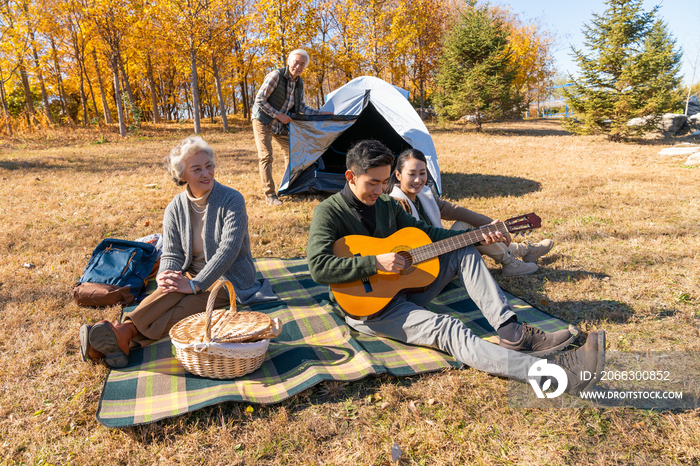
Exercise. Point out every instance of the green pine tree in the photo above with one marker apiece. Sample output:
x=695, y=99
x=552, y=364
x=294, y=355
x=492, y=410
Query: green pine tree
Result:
x=475, y=73
x=630, y=70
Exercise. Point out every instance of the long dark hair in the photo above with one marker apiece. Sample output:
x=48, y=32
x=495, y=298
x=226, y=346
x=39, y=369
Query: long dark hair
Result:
x=400, y=162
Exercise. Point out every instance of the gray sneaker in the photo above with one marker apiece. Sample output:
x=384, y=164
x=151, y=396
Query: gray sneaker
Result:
x=536, y=342
x=273, y=200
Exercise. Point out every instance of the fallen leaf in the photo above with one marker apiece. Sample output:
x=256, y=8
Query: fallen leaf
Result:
x=384, y=405
x=414, y=409
x=431, y=401
x=544, y=303
x=146, y=224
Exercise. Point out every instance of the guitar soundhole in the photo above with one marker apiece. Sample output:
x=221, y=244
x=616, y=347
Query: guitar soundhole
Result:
x=409, y=262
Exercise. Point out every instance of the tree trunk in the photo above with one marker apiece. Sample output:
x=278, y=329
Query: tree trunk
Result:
x=92, y=92
x=152, y=86
x=244, y=97
x=125, y=78
x=209, y=106
x=187, y=101
x=44, y=95
x=422, y=92
x=105, y=105
x=83, y=99
x=233, y=96
x=29, y=99
x=61, y=90
x=118, y=95
x=5, y=108
x=196, y=105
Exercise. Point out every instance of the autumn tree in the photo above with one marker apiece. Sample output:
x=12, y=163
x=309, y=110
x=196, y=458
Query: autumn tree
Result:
x=418, y=30
x=476, y=75
x=630, y=69
x=113, y=20
x=531, y=52
x=345, y=43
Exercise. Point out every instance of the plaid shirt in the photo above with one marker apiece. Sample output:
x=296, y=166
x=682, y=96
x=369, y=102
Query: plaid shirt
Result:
x=268, y=86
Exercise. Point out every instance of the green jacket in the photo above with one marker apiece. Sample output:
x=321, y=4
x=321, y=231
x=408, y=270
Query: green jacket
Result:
x=333, y=220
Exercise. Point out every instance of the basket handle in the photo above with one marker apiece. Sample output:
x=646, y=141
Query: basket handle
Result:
x=210, y=305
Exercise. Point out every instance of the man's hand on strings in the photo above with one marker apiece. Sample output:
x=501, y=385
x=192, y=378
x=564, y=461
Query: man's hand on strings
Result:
x=495, y=237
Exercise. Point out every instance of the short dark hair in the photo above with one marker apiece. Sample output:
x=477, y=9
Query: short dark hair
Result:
x=366, y=155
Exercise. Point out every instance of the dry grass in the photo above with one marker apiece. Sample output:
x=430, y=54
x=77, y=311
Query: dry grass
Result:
x=627, y=259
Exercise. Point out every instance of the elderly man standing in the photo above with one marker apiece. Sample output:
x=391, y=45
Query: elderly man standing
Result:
x=282, y=92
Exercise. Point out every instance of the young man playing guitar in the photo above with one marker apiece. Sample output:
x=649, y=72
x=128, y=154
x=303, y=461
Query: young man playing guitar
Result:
x=361, y=209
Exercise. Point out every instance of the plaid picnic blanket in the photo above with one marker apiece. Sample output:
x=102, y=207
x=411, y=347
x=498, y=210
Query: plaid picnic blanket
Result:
x=315, y=345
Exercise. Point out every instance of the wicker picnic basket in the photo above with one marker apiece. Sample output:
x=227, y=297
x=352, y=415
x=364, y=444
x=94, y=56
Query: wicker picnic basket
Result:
x=223, y=344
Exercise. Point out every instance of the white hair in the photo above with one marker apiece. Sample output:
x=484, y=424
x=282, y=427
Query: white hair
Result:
x=175, y=161
x=301, y=52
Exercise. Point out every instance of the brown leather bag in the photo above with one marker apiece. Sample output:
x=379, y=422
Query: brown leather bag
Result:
x=99, y=295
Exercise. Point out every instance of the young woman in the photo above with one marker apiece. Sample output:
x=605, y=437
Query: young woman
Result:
x=205, y=237
x=407, y=185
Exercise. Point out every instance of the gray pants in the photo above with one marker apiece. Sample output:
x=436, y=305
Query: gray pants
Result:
x=407, y=320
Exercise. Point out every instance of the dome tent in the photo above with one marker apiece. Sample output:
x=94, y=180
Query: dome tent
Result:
x=365, y=108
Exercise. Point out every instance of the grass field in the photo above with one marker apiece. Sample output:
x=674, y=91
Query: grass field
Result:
x=625, y=220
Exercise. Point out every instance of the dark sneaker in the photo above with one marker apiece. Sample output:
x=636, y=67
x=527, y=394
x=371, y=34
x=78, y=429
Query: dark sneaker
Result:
x=536, y=342
x=584, y=366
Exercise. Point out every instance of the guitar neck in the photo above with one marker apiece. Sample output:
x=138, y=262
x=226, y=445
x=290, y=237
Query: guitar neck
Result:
x=429, y=251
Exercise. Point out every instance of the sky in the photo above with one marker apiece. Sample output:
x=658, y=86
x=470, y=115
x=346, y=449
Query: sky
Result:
x=565, y=19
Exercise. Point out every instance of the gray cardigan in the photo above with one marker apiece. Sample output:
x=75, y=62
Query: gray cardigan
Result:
x=226, y=244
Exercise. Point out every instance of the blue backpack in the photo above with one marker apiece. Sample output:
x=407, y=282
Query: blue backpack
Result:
x=118, y=264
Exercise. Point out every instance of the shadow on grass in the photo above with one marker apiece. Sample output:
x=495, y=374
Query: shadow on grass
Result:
x=462, y=186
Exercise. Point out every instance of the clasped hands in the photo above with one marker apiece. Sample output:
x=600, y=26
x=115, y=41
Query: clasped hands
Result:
x=392, y=262
x=170, y=281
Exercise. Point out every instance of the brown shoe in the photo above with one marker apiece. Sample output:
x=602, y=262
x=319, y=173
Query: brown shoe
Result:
x=112, y=341
x=584, y=366
x=536, y=342
x=87, y=352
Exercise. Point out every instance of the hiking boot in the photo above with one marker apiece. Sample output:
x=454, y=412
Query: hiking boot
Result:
x=273, y=201
x=536, y=342
x=532, y=252
x=87, y=352
x=513, y=267
x=579, y=364
x=112, y=341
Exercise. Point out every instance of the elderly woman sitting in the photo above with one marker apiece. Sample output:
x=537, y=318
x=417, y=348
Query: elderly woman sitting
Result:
x=205, y=237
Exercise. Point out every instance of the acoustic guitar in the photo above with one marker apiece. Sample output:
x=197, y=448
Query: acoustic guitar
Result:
x=370, y=295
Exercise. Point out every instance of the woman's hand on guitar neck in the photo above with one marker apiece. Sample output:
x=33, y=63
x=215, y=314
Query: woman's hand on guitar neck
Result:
x=390, y=262
x=495, y=237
